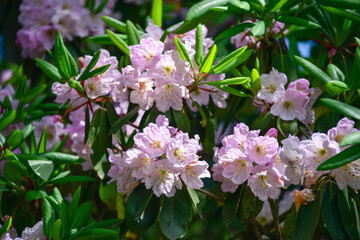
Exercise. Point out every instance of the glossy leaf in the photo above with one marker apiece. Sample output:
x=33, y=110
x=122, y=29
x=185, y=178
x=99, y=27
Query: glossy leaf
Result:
x=35, y=194
x=297, y=21
x=229, y=81
x=101, y=6
x=250, y=206
x=209, y=60
x=119, y=123
x=14, y=139
x=133, y=36
x=81, y=215
x=258, y=28
x=313, y=70
x=355, y=69
x=90, y=66
x=230, y=61
x=56, y=232
x=61, y=58
x=201, y=8
x=199, y=48
x=5, y=227
x=351, y=139
x=118, y=42
x=183, y=52
x=7, y=118
x=182, y=121
x=47, y=216
x=290, y=223
x=344, y=157
x=50, y=70
x=73, y=67
x=175, y=215
x=349, y=214
x=342, y=108
x=104, y=39
x=156, y=12
x=232, y=91
x=233, y=31
x=347, y=4
x=349, y=14
x=335, y=73
x=231, y=205
x=115, y=24
x=13, y=171
x=42, y=168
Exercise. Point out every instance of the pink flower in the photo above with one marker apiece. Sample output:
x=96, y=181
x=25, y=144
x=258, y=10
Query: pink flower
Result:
x=146, y=54
x=343, y=128
x=265, y=182
x=271, y=83
x=193, y=172
x=35, y=232
x=170, y=96
x=290, y=105
x=348, y=175
x=55, y=129
x=237, y=166
x=262, y=150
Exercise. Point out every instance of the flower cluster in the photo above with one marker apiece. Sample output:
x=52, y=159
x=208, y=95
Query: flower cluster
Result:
x=162, y=158
x=95, y=87
x=35, y=232
x=244, y=39
x=159, y=74
x=303, y=157
x=55, y=129
x=41, y=19
x=246, y=156
x=293, y=103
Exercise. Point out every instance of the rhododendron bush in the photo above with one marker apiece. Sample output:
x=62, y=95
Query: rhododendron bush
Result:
x=179, y=119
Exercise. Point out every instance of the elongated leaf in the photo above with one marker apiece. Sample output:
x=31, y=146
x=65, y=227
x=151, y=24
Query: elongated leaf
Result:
x=98, y=234
x=118, y=42
x=115, y=24
x=74, y=202
x=344, y=157
x=194, y=200
x=290, y=223
x=71, y=179
x=56, y=232
x=7, y=118
x=229, y=81
x=119, y=123
x=90, y=66
x=104, y=39
x=81, y=215
x=50, y=70
x=156, y=12
x=351, y=139
x=297, y=21
x=141, y=209
x=209, y=60
x=231, y=61
x=349, y=14
x=312, y=70
x=342, y=108
x=275, y=5
x=34, y=93
x=42, y=142
x=331, y=212
x=61, y=58
x=183, y=52
x=182, y=121
x=35, y=194
x=349, y=214
x=355, y=69
x=73, y=67
x=14, y=139
x=47, y=215
x=98, y=71
x=6, y=227
x=175, y=215
x=189, y=25
x=233, y=91
x=231, y=205
x=13, y=171
x=203, y=7
x=101, y=6
x=308, y=218
x=233, y=31
x=56, y=157
x=335, y=73
x=348, y=4
x=250, y=206
x=133, y=36
x=42, y=168
x=258, y=28
x=199, y=48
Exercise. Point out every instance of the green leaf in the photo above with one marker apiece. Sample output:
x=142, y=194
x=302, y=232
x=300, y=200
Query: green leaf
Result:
x=194, y=199
x=182, y=121
x=259, y=28
x=90, y=66
x=313, y=70
x=118, y=42
x=14, y=139
x=342, y=108
x=156, y=12
x=13, y=171
x=229, y=81
x=42, y=168
x=61, y=58
x=34, y=195
x=335, y=87
x=183, y=52
x=104, y=39
x=115, y=24
x=98, y=234
x=133, y=36
x=344, y=157
x=47, y=216
x=7, y=118
x=50, y=70
x=275, y=5
x=203, y=7
x=101, y=6
x=308, y=218
x=71, y=179
x=119, y=123
x=175, y=215
x=34, y=93
x=232, y=91
x=297, y=21
x=232, y=60
x=250, y=206
x=141, y=209
x=233, y=31
x=56, y=232
x=81, y=215
x=349, y=14
x=347, y=4
x=56, y=157
x=231, y=205
x=209, y=60
x=199, y=48
x=74, y=203
x=351, y=139
x=77, y=86
x=255, y=80
x=98, y=71
x=73, y=66
x=349, y=214
x=5, y=227
x=290, y=223
x=331, y=212
x=189, y=25
x=42, y=142
x=335, y=73
x=355, y=68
